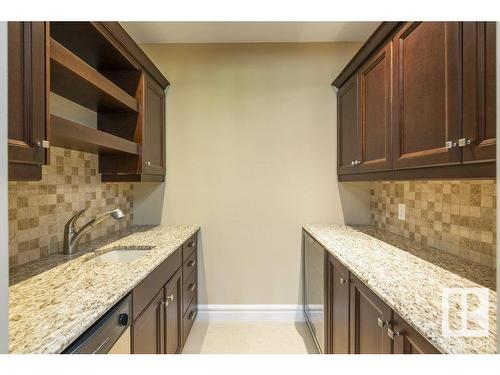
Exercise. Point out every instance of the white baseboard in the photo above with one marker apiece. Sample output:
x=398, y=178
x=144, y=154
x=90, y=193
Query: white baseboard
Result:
x=251, y=313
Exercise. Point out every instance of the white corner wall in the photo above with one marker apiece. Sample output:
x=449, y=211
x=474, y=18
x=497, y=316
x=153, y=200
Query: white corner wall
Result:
x=251, y=157
x=4, y=245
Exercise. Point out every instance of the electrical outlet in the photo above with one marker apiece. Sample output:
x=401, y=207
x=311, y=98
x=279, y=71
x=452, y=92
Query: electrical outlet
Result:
x=401, y=211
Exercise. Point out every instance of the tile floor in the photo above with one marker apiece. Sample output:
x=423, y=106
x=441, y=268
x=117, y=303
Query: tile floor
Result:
x=249, y=338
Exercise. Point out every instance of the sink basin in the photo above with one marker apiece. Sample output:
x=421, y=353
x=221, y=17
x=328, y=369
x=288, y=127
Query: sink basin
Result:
x=124, y=254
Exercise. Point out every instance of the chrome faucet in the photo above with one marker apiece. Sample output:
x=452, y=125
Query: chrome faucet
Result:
x=72, y=236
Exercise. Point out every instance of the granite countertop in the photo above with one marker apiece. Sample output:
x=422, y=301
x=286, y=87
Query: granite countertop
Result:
x=410, y=278
x=48, y=311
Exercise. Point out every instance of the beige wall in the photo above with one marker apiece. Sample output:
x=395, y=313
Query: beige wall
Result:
x=251, y=156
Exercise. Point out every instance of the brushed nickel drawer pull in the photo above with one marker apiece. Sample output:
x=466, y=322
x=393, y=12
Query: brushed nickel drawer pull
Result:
x=342, y=280
x=392, y=333
x=192, y=263
x=192, y=244
x=192, y=315
x=192, y=287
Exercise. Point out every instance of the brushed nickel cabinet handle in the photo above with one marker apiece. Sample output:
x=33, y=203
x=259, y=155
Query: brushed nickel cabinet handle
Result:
x=462, y=142
x=382, y=323
x=192, y=263
x=43, y=143
x=148, y=163
x=192, y=244
x=192, y=287
x=342, y=280
x=392, y=333
x=169, y=299
x=450, y=144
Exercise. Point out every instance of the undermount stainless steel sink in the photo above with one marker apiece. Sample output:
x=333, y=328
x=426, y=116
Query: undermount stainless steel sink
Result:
x=123, y=254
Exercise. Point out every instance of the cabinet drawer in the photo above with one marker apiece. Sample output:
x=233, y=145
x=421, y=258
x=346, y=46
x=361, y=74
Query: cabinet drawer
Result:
x=189, y=290
x=143, y=293
x=189, y=247
x=189, y=267
x=190, y=316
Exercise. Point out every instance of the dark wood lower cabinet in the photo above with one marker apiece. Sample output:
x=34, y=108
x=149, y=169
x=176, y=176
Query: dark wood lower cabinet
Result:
x=408, y=341
x=173, y=314
x=162, y=325
x=369, y=319
x=338, y=309
x=357, y=321
x=148, y=329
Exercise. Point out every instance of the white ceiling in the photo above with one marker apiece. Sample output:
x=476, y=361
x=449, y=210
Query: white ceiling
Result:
x=248, y=32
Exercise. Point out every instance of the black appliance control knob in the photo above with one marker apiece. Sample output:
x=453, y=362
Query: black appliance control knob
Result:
x=123, y=319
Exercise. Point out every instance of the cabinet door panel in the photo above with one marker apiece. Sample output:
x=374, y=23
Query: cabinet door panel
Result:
x=348, y=127
x=26, y=87
x=147, y=330
x=479, y=85
x=339, y=307
x=366, y=335
x=408, y=340
x=375, y=111
x=427, y=100
x=153, y=151
x=173, y=315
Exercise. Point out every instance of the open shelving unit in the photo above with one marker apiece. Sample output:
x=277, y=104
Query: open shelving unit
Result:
x=69, y=134
x=87, y=68
x=98, y=66
x=79, y=82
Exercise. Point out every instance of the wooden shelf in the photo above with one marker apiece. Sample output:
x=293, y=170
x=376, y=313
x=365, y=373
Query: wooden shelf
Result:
x=131, y=177
x=69, y=134
x=74, y=79
x=92, y=44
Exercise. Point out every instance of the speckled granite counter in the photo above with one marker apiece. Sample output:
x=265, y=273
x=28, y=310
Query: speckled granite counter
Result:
x=47, y=312
x=410, y=279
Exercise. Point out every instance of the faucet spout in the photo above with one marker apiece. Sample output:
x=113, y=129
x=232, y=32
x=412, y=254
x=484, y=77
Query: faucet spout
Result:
x=72, y=236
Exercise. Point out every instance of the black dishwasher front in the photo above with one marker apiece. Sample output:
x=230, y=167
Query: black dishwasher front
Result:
x=314, y=289
x=102, y=335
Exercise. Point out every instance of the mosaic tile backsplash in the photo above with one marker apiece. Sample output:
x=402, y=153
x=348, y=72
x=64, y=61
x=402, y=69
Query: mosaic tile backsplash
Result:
x=454, y=216
x=38, y=210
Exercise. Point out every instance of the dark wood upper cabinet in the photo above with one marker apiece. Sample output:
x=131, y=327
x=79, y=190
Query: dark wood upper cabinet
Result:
x=173, y=314
x=154, y=128
x=427, y=100
x=148, y=331
x=348, y=152
x=96, y=65
x=369, y=319
x=27, y=112
x=427, y=103
x=479, y=90
x=375, y=111
x=408, y=341
x=338, y=307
